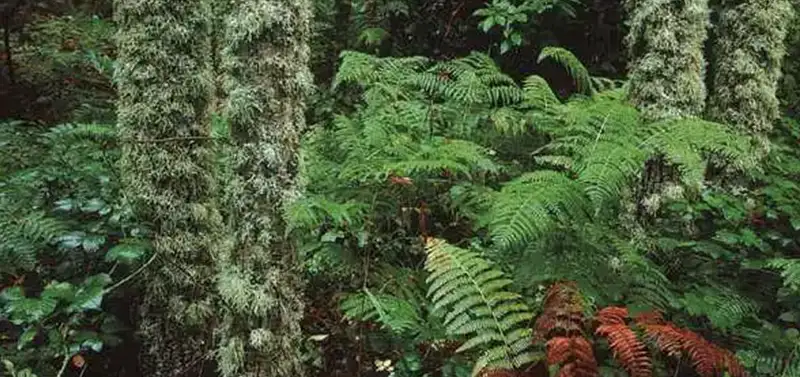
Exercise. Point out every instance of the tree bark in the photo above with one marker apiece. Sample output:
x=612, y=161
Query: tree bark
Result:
x=265, y=59
x=747, y=56
x=667, y=67
x=167, y=163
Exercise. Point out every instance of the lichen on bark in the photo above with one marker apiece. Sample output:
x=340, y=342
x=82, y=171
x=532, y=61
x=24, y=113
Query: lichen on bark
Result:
x=747, y=56
x=789, y=87
x=164, y=87
x=265, y=61
x=667, y=66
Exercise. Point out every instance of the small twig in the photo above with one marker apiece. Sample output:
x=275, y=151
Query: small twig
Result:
x=788, y=361
x=64, y=365
x=131, y=276
x=168, y=139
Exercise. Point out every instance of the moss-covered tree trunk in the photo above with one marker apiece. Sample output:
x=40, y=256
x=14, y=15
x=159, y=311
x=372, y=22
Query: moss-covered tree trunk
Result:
x=667, y=67
x=265, y=58
x=789, y=89
x=747, y=55
x=166, y=166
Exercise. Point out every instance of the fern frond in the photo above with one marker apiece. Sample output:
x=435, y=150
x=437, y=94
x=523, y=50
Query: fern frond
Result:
x=562, y=312
x=22, y=235
x=574, y=355
x=707, y=359
x=393, y=313
x=472, y=292
x=508, y=121
x=790, y=271
x=532, y=205
x=537, y=92
x=573, y=65
x=628, y=350
x=684, y=141
x=767, y=365
x=724, y=308
x=312, y=211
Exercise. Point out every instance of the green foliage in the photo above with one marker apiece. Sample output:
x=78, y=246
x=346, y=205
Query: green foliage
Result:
x=63, y=225
x=472, y=294
x=513, y=17
x=68, y=61
x=396, y=314
x=574, y=67
x=545, y=186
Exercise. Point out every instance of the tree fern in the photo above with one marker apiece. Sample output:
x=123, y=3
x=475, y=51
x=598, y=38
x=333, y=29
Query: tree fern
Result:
x=470, y=292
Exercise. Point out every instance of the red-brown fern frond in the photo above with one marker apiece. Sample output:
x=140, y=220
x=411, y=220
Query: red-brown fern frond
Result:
x=733, y=366
x=574, y=355
x=612, y=315
x=708, y=359
x=628, y=350
x=562, y=314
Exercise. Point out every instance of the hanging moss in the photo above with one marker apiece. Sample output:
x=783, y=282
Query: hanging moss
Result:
x=265, y=59
x=166, y=167
x=747, y=57
x=667, y=68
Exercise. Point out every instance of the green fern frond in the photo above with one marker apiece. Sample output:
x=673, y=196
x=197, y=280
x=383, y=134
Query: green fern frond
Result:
x=471, y=294
x=770, y=365
x=364, y=69
x=724, y=308
x=687, y=142
x=537, y=92
x=313, y=211
x=573, y=65
x=22, y=235
x=532, y=205
x=393, y=313
x=509, y=121
x=472, y=201
x=790, y=271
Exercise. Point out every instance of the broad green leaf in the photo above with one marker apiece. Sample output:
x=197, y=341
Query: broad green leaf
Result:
x=90, y=293
x=126, y=252
x=504, y=47
x=516, y=38
x=27, y=337
x=93, y=243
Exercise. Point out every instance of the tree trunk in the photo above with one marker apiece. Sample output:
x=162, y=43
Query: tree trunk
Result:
x=167, y=169
x=747, y=57
x=667, y=68
x=265, y=57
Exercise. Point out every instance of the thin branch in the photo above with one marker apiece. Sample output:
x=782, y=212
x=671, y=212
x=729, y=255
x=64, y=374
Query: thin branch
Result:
x=63, y=365
x=131, y=276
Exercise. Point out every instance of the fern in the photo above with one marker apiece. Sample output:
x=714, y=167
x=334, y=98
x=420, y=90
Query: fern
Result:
x=771, y=365
x=602, y=142
x=561, y=325
x=723, y=308
x=394, y=313
x=790, y=271
x=628, y=350
x=532, y=205
x=471, y=292
x=572, y=64
x=707, y=359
